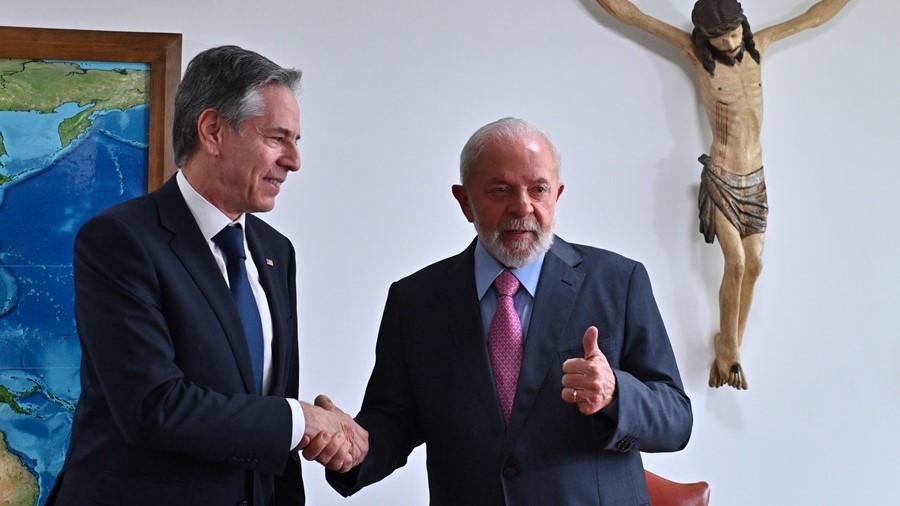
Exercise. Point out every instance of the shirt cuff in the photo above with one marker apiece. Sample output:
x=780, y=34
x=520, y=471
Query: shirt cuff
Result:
x=298, y=422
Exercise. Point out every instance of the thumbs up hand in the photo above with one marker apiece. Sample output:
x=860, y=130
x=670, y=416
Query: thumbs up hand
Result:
x=588, y=382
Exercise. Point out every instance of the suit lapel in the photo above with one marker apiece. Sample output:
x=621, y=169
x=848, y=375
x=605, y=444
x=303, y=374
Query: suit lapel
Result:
x=193, y=252
x=270, y=283
x=558, y=288
x=461, y=312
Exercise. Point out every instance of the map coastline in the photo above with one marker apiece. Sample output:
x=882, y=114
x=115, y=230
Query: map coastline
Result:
x=18, y=486
x=73, y=141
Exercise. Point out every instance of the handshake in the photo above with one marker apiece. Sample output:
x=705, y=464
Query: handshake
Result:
x=332, y=437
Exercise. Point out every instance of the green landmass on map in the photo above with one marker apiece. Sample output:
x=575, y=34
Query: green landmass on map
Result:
x=18, y=487
x=2, y=152
x=35, y=85
x=8, y=398
x=43, y=87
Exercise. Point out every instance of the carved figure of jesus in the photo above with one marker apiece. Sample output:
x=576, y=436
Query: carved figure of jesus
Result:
x=726, y=56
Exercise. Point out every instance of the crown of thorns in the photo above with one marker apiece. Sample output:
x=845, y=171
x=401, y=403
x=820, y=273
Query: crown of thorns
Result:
x=713, y=18
x=713, y=32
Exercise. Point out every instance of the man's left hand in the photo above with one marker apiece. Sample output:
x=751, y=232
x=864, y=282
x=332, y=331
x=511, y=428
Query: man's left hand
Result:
x=589, y=382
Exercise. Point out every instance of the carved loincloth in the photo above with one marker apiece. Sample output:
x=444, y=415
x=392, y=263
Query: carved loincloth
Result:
x=742, y=199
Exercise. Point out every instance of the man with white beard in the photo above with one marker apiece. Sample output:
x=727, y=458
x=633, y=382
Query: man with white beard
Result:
x=535, y=371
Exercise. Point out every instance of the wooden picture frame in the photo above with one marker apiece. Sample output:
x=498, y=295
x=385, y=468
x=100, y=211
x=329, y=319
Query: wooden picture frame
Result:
x=37, y=245
x=162, y=51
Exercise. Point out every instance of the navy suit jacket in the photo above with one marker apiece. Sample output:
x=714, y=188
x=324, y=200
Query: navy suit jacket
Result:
x=166, y=414
x=432, y=384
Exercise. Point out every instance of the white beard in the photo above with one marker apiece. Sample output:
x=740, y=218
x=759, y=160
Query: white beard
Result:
x=521, y=252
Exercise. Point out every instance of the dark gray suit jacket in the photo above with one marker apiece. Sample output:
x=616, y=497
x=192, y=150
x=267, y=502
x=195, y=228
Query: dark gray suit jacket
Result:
x=432, y=384
x=166, y=414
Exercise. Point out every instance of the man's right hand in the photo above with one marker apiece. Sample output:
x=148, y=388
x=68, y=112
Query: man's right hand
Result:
x=332, y=437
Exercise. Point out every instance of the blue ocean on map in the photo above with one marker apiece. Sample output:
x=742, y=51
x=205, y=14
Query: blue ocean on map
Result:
x=51, y=191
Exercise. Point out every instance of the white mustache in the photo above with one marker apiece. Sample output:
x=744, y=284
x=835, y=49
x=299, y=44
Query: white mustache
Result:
x=527, y=225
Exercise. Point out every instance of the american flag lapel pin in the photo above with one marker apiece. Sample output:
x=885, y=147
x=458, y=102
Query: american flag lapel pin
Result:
x=270, y=263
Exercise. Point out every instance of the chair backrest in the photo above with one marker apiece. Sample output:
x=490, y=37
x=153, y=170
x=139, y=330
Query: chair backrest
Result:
x=665, y=492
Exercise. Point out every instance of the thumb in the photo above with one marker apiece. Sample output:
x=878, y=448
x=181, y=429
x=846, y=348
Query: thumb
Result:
x=324, y=402
x=589, y=341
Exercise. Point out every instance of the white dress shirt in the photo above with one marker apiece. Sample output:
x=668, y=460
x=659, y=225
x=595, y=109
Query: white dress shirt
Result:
x=211, y=221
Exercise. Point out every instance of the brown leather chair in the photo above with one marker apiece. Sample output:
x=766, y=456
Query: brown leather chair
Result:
x=665, y=492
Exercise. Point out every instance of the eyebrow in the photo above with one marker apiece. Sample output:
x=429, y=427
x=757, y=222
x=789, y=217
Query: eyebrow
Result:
x=284, y=131
x=497, y=180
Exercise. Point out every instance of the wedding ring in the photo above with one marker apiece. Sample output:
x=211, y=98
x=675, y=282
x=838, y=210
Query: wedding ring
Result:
x=574, y=394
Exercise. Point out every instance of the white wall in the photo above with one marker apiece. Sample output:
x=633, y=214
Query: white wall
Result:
x=392, y=90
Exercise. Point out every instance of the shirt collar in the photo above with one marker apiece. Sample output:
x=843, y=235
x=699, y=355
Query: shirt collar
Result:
x=487, y=268
x=208, y=217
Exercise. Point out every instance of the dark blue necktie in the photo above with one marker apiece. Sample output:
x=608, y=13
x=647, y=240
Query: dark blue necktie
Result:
x=231, y=240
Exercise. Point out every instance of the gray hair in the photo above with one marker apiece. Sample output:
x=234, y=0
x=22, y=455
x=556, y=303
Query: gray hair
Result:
x=504, y=129
x=230, y=80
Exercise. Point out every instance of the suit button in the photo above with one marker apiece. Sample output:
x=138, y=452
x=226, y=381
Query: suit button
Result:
x=509, y=472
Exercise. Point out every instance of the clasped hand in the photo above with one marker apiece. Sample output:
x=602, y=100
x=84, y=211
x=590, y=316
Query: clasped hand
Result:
x=589, y=382
x=332, y=437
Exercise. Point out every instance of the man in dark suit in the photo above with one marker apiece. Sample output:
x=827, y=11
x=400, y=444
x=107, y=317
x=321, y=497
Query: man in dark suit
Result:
x=189, y=371
x=534, y=370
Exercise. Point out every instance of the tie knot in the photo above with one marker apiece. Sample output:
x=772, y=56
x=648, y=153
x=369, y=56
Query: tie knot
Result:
x=231, y=240
x=507, y=283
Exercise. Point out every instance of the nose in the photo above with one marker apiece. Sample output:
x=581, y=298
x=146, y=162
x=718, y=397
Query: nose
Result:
x=291, y=158
x=521, y=205
x=734, y=42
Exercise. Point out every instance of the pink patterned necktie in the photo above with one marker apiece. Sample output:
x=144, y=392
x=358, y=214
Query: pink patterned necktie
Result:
x=505, y=341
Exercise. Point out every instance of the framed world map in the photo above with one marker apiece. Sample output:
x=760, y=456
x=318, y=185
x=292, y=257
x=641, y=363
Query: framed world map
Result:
x=85, y=118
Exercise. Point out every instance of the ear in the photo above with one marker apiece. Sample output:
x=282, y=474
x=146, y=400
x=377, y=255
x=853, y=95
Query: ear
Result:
x=210, y=131
x=462, y=196
x=559, y=190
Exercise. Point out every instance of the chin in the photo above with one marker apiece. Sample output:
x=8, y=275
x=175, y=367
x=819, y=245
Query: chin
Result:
x=519, y=246
x=263, y=207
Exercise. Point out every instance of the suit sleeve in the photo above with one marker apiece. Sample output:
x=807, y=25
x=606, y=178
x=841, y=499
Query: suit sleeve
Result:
x=651, y=413
x=388, y=411
x=131, y=353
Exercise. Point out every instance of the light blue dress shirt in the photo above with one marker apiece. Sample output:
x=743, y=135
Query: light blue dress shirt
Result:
x=487, y=268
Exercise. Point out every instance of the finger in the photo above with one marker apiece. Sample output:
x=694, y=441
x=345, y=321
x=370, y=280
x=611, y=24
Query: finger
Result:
x=359, y=449
x=570, y=395
x=583, y=367
x=341, y=459
x=315, y=446
x=360, y=444
x=589, y=342
x=573, y=366
x=577, y=366
x=349, y=461
x=304, y=441
x=576, y=380
x=334, y=447
x=324, y=402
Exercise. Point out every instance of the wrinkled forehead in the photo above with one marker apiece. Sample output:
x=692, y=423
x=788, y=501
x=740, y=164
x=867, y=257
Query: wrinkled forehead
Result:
x=530, y=150
x=527, y=157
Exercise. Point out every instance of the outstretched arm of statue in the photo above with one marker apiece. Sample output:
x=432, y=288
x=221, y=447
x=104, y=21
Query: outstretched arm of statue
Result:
x=628, y=13
x=819, y=13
